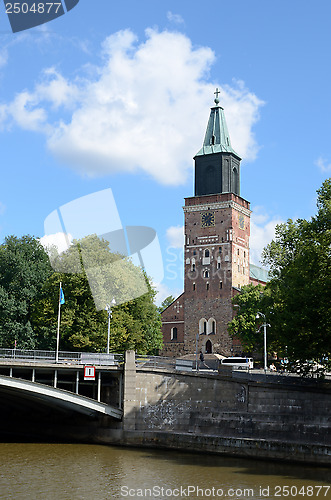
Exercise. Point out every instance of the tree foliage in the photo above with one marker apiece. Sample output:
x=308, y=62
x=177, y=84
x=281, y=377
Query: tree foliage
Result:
x=29, y=298
x=91, y=276
x=166, y=303
x=296, y=301
x=247, y=304
x=24, y=266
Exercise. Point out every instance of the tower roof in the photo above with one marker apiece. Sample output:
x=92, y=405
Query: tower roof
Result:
x=217, y=138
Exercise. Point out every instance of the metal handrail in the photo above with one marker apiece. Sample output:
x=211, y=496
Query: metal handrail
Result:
x=162, y=362
x=64, y=357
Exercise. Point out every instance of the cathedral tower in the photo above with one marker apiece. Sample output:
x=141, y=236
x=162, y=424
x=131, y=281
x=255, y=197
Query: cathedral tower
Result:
x=216, y=249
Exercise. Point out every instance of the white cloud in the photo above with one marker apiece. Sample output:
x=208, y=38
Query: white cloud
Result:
x=262, y=232
x=144, y=109
x=56, y=89
x=175, y=235
x=323, y=165
x=28, y=109
x=61, y=241
x=25, y=112
x=163, y=291
x=242, y=112
x=3, y=56
x=174, y=18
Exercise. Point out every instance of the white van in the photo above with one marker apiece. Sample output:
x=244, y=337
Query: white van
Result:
x=239, y=363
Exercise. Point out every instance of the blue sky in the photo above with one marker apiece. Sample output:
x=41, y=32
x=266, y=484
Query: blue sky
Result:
x=117, y=95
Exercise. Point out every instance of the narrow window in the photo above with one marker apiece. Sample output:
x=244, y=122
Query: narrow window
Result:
x=193, y=287
x=207, y=286
x=221, y=285
x=174, y=333
x=206, y=253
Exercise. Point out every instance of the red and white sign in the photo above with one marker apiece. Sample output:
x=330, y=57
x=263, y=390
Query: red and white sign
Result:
x=89, y=372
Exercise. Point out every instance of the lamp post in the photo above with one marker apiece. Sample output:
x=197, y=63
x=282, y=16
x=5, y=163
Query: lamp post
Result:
x=196, y=351
x=108, y=308
x=265, y=339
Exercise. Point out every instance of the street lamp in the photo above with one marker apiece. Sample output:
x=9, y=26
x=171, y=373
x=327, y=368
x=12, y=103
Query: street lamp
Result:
x=196, y=351
x=108, y=308
x=265, y=339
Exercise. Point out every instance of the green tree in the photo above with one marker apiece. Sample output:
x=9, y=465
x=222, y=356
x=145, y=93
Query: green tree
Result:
x=244, y=325
x=166, y=303
x=89, y=262
x=300, y=262
x=24, y=266
x=296, y=301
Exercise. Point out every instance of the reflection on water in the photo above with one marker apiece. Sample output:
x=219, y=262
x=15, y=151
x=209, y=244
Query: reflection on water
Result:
x=75, y=471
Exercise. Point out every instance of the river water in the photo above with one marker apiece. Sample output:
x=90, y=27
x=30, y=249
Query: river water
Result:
x=92, y=472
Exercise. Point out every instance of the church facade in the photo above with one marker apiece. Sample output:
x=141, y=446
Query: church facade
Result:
x=216, y=250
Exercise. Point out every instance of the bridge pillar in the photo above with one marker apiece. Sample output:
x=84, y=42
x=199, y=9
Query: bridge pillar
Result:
x=129, y=396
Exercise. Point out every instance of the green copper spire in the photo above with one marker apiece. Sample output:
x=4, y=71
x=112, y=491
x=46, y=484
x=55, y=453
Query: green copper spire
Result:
x=217, y=139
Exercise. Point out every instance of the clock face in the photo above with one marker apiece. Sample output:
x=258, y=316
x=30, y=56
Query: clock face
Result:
x=207, y=219
x=241, y=221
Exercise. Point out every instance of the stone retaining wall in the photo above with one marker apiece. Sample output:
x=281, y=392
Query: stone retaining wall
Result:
x=213, y=411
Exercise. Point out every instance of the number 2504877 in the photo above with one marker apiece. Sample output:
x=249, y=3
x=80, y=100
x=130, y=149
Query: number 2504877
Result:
x=304, y=491
x=35, y=8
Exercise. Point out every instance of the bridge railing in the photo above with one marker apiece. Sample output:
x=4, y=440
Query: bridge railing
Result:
x=64, y=357
x=161, y=362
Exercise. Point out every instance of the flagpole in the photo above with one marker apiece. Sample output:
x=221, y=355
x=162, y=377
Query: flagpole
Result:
x=58, y=327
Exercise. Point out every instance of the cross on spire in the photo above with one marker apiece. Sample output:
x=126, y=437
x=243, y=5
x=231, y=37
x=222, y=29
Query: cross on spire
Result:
x=216, y=101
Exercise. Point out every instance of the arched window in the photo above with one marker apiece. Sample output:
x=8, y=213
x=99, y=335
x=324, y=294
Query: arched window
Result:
x=206, y=273
x=206, y=252
x=203, y=326
x=235, y=181
x=209, y=347
x=211, y=326
x=174, y=333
